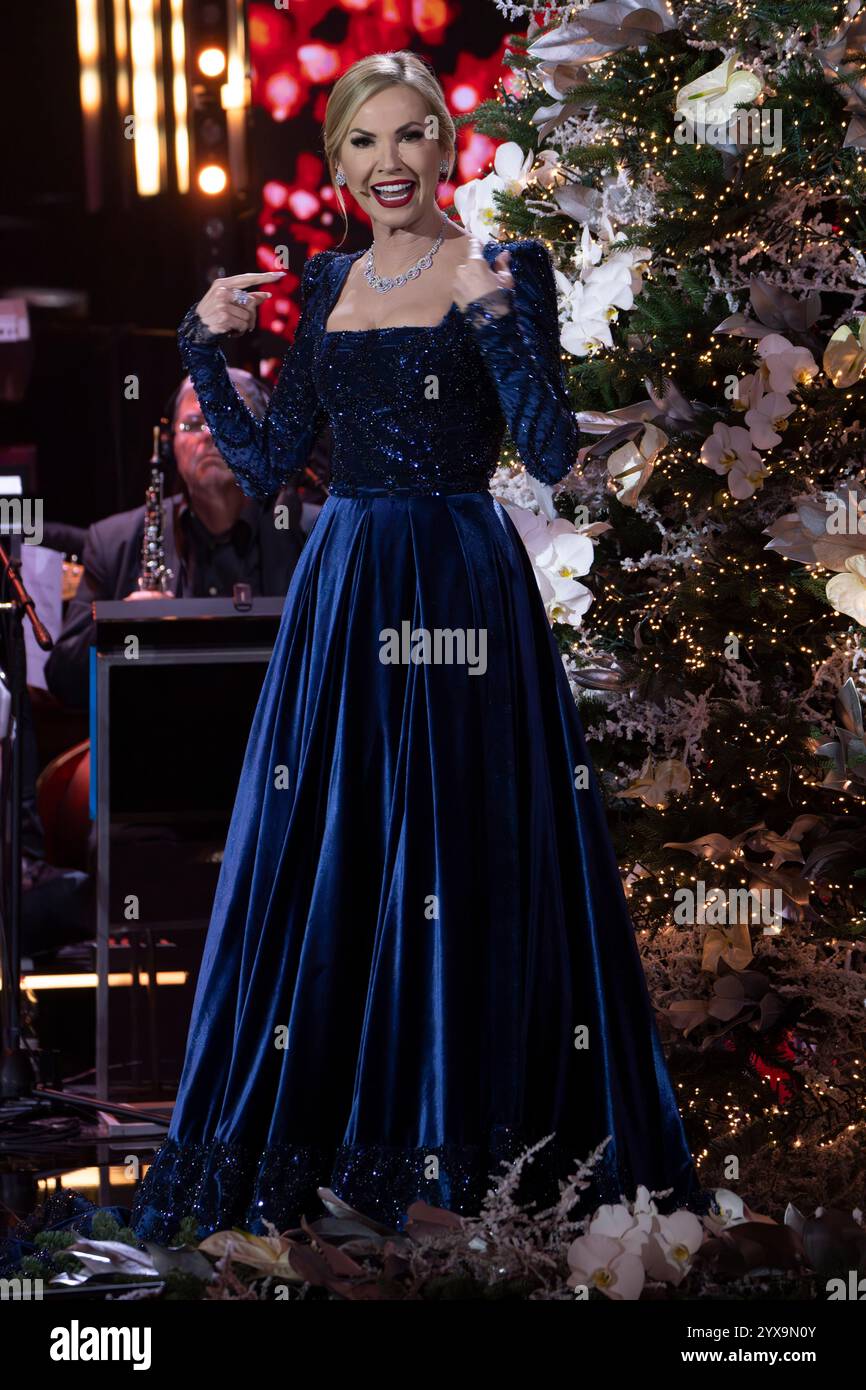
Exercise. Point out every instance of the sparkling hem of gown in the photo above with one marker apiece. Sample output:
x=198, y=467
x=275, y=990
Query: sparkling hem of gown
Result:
x=224, y=1185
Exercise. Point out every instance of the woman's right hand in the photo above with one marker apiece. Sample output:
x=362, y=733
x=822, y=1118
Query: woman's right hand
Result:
x=217, y=309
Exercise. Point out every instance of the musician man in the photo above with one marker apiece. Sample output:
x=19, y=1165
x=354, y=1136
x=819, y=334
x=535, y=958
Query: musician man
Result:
x=215, y=536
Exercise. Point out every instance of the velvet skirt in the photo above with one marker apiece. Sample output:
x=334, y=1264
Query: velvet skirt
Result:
x=420, y=959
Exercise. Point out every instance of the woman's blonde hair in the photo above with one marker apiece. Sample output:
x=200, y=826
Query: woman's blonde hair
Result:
x=365, y=79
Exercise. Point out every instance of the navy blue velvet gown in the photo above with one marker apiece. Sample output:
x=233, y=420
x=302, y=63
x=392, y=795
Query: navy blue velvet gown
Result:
x=417, y=911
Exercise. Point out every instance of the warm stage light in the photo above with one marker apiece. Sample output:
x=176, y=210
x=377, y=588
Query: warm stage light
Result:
x=88, y=979
x=179, y=96
x=149, y=131
x=212, y=62
x=88, y=56
x=212, y=179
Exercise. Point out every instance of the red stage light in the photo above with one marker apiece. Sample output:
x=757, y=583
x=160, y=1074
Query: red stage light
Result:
x=275, y=194
x=282, y=93
x=464, y=97
x=318, y=61
x=303, y=204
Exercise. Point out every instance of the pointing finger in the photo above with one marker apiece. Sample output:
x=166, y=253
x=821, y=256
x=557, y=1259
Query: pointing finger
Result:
x=252, y=277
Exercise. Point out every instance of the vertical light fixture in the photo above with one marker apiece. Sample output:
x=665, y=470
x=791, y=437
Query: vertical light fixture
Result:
x=92, y=96
x=121, y=50
x=179, y=96
x=235, y=93
x=147, y=108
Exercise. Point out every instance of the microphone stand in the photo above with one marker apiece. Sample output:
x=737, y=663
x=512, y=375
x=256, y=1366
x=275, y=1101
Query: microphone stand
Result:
x=18, y=1076
x=16, y=1068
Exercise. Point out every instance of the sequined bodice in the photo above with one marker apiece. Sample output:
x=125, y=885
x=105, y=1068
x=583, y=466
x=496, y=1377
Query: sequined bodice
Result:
x=411, y=409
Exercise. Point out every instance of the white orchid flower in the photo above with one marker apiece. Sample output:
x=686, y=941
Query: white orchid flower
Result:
x=631, y=1229
x=729, y=451
x=749, y=390
x=559, y=553
x=767, y=417
x=671, y=1248
x=784, y=365
x=592, y=304
x=474, y=200
x=605, y=1264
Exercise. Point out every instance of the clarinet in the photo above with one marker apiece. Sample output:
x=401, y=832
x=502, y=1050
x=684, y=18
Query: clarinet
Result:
x=154, y=576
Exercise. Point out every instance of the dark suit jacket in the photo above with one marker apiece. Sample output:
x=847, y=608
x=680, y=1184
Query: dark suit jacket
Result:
x=112, y=562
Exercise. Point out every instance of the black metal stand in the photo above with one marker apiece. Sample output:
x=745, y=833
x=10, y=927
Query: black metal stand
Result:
x=20, y=1098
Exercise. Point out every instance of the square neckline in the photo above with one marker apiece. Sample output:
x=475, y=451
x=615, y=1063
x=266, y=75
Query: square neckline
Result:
x=351, y=257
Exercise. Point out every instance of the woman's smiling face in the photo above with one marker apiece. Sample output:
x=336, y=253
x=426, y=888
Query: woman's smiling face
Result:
x=389, y=158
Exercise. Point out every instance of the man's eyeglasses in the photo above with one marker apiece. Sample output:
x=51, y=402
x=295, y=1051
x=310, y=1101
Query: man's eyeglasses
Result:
x=193, y=427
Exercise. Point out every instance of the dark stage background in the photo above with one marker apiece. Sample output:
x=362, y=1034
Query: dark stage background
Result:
x=129, y=267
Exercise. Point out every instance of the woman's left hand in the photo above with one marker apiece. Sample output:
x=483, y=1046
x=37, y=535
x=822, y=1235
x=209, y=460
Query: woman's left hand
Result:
x=476, y=278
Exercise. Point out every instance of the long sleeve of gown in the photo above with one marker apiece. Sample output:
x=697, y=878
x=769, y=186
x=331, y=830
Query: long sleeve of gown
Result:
x=521, y=349
x=262, y=454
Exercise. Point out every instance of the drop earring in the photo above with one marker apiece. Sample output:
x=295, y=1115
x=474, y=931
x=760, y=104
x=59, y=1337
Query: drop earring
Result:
x=340, y=179
x=443, y=169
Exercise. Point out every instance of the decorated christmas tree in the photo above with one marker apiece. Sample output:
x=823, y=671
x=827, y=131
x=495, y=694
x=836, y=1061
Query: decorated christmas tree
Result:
x=697, y=174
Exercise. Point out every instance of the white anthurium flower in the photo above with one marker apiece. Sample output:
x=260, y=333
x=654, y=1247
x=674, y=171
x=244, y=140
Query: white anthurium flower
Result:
x=474, y=200
x=729, y=451
x=605, y=1264
x=732, y=1209
x=847, y=591
x=784, y=365
x=671, y=1248
x=631, y=465
x=765, y=419
x=713, y=97
x=844, y=357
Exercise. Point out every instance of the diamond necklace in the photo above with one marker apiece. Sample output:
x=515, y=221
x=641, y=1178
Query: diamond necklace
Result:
x=383, y=283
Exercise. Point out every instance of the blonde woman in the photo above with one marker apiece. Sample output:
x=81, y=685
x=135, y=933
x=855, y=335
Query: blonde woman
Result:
x=420, y=959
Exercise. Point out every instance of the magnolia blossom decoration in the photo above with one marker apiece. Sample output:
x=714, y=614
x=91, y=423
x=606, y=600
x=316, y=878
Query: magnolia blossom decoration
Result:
x=559, y=552
x=474, y=200
x=631, y=466
x=820, y=531
x=729, y=451
x=658, y=782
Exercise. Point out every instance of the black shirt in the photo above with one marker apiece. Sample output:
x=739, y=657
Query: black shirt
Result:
x=212, y=565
